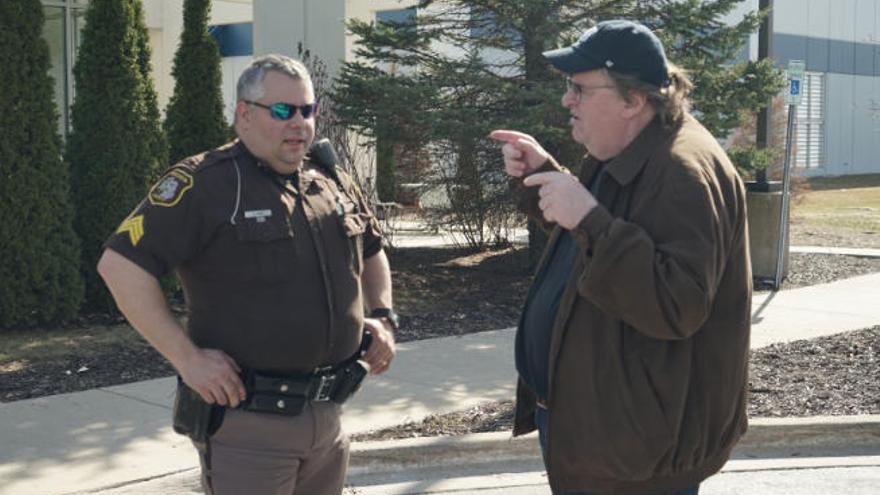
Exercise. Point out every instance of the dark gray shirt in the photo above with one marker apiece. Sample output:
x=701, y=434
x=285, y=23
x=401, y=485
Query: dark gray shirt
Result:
x=542, y=304
x=533, y=341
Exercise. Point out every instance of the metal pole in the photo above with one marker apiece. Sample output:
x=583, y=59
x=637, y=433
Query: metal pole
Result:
x=783, y=213
x=764, y=129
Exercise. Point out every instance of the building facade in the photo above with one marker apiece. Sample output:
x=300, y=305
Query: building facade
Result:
x=838, y=124
x=839, y=40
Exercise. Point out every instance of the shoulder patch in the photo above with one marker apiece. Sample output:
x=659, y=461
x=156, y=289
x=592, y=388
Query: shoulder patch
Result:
x=171, y=188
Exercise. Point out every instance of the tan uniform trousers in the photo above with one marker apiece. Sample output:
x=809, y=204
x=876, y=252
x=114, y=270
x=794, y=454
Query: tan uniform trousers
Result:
x=271, y=454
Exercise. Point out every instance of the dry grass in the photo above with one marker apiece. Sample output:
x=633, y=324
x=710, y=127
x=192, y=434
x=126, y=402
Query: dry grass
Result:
x=844, y=182
x=23, y=346
x=851, y=202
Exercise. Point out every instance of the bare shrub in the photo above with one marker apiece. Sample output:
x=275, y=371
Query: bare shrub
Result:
x=476, y=205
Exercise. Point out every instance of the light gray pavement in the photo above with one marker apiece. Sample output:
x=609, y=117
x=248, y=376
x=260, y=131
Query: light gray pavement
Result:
x=119, y=436
x=853, y=475
x=865, y=252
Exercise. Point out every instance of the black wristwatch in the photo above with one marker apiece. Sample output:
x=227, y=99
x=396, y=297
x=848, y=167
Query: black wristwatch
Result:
x=388, y=315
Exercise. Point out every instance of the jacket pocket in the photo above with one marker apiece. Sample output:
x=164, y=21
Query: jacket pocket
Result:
x=267, y=250
x=613, y=425
x=354, y=224
x=640, y=436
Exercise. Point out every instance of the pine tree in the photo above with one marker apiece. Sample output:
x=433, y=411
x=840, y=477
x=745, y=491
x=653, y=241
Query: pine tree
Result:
x=492, y=75
x=194, y=119
x=39, y=252
x=696, y=38
x=116, y=147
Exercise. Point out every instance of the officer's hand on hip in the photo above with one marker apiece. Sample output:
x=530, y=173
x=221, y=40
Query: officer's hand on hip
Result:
x=522, y=153
x=214, y=375
x=564, y=199
x=382, y=349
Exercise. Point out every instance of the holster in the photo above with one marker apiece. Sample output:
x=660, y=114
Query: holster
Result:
x=193, y=416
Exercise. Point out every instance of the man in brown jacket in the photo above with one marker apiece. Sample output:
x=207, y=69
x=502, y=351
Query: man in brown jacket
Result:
x=632, y=348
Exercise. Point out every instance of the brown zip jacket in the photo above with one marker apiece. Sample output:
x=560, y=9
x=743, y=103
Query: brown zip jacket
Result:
x=648, y=358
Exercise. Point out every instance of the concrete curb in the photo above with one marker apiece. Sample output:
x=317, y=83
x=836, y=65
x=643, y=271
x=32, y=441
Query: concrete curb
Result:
x=860, y=252
x=766, y=437
x=789, y=439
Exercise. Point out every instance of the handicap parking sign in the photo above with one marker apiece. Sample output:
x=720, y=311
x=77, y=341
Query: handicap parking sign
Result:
x=795, y=74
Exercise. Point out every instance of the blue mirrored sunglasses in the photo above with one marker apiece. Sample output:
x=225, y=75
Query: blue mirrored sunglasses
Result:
x=286, y=111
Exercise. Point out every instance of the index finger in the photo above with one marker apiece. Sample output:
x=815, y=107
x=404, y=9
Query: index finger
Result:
x=540, y=178
x=508, y=136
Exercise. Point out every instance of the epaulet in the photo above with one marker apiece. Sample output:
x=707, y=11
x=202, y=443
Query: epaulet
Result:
x=322, y=155
x=203, y=161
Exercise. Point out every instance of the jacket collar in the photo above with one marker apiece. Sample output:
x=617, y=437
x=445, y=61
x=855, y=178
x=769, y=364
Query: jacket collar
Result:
x=627, y=165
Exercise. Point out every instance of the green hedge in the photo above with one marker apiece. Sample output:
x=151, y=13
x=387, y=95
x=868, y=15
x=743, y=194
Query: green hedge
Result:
x=117, y=147
x=39, y=252
x=194, y=119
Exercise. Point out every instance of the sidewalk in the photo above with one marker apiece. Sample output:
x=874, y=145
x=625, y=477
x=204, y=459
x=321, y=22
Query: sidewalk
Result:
x=99, y=439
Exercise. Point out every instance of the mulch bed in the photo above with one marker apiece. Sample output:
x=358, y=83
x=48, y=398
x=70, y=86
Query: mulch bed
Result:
x=443, y=292
x=834, y=375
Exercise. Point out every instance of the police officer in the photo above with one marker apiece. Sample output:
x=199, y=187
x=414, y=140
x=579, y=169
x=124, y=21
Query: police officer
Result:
x=277, y=254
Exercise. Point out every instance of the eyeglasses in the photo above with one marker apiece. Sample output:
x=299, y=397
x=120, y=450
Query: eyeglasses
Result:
x=579, y=89
x=286, y=111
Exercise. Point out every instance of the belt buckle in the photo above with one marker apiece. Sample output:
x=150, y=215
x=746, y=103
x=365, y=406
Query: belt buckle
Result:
x=325, y=387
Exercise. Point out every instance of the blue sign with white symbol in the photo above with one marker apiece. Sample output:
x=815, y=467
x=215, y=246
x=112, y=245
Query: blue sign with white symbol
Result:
x=795, y=75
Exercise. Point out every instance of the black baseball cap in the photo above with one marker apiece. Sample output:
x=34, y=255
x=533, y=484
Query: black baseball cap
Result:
x=622, y=46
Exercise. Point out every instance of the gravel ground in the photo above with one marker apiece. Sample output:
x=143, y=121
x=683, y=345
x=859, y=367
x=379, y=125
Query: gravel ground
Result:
x=834, y=375
x=812, y=269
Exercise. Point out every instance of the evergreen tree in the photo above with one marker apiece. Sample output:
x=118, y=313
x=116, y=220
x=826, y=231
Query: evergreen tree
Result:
x=194, y=119
x=155, y=138
x=116, y=147
x=39, y=252
x=491, y=74
x=725, y=92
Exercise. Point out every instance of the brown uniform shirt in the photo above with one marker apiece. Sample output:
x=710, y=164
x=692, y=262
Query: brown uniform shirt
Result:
x=270, y=265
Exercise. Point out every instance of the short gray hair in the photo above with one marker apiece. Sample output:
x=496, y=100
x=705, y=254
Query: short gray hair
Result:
x=250, y=83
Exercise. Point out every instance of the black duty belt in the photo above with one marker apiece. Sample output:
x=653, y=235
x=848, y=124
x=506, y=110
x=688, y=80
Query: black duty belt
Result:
x=271, y=393
x=288, y=394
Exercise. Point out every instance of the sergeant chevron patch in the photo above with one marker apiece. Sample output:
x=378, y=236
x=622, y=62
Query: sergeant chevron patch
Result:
x=135, y=228
x=168, y=191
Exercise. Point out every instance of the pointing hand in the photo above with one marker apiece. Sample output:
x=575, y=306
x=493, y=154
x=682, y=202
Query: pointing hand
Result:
x=522, y=153
x=564, y=199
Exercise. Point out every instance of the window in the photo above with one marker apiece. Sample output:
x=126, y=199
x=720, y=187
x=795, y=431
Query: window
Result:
x=399, y=16
x=810, y=132
x=53, y=33
x=406, y=17
x=64, y=20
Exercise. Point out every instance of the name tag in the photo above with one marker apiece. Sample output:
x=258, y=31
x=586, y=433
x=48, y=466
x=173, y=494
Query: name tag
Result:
x=260, y=215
